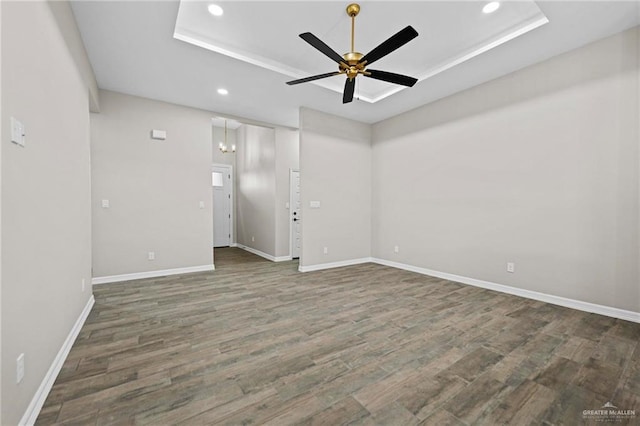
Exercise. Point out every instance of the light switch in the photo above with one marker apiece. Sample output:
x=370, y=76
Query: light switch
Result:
x=159, y=134
x=17, y=132
x=201, y=204
x=105, y=204
x=314, y=204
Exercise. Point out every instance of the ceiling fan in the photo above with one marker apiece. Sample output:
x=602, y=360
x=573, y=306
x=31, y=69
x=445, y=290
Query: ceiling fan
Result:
x=355, y=63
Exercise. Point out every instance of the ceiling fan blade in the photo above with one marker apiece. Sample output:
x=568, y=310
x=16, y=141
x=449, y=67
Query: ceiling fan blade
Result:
x=404, y=80
x=397, y=40
x=313, y=77
x=322, y=47
x=349, y=88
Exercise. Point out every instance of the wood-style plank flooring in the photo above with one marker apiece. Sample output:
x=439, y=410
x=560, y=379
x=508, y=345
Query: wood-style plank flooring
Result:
x=257, y=342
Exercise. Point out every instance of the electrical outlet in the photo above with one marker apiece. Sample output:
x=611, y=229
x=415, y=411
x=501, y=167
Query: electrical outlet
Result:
x=253, y=239
x=511, y=267
x=396, y=249
x=152, y=255
x=326, y=250
x=20, y=368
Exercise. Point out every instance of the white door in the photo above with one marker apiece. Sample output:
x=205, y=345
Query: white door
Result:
x=296, y=218
x=221, y=181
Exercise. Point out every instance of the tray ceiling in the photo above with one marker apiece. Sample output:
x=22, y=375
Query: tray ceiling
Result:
x=266, y=34
x=132, y=49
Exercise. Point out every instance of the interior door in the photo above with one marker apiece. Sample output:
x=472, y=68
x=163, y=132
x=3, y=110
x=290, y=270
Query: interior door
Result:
x=296, y=218
x=221, y=182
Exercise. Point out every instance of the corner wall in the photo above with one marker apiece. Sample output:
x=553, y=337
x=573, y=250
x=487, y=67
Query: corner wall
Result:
x=45, y=198
x=154, y=187
x=256, y=188
x=335, y=169
x=539, y=168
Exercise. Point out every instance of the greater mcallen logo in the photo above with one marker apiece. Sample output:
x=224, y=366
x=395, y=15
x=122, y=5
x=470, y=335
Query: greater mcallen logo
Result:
x=608, y=413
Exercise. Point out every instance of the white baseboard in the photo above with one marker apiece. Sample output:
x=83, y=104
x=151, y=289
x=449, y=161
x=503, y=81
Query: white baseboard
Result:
x=30, y=416
x=331, y=265
x=151, y=274
x=263, y=254
x=543, y=297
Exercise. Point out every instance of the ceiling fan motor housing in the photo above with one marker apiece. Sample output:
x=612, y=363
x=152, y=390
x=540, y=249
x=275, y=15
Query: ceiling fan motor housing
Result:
x=355, y=67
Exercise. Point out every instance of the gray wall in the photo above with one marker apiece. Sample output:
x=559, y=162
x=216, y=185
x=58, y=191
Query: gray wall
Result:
x=335, y=169
x=69, y=30
x=539, y=168
x=46, y=208
x=256, y=188
x=264, y=157
x=154, y=187
x=287, y=158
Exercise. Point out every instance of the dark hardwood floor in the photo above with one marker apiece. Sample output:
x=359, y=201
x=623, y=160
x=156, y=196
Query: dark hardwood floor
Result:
x=257, y=342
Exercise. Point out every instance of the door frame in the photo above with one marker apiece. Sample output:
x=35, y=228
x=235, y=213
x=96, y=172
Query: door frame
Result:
x=291, y=230
x=231, y=202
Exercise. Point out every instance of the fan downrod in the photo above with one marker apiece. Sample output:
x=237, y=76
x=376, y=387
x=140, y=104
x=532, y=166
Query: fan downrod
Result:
x=352, y=57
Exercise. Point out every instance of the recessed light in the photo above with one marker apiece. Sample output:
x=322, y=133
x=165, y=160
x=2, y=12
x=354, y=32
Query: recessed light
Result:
x=223, y=92
x=215, y=10
x=491, y=7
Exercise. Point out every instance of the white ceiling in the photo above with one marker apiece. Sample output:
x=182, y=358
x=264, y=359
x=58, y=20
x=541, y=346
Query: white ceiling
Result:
x=254, y=48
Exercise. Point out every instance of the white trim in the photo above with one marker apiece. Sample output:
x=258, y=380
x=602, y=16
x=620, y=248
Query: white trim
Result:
x=233, y=245
x=263, y=254
x=257, y=252
x=543, y=297
x=291, y=225
x=31, y=414
x=321, y=266
x=151, y=274
x=231, y=212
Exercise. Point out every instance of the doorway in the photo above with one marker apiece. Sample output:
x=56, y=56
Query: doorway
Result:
x=296, y=218
x=222, y=204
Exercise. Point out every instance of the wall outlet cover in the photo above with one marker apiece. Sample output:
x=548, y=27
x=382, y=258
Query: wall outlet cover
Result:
x=159, y=134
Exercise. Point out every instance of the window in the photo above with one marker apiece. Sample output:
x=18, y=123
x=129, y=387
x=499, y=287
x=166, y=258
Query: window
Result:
x=216, y=179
